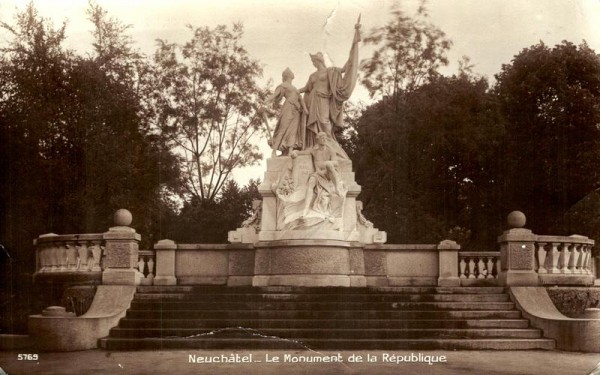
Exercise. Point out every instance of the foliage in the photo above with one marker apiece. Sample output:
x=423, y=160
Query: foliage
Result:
x=428, y=171
x=74, y=147
x=584, y=217
x=550, y=97
x=573, y=301
x=206, y=102
x=209, y=221
x=408, y=53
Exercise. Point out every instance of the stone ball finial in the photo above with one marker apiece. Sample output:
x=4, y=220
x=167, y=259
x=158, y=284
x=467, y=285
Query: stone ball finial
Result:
x=122, y=218
x=516, y=219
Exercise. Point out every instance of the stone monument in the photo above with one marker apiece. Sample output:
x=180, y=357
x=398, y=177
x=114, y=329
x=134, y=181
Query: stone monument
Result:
x=309, y=230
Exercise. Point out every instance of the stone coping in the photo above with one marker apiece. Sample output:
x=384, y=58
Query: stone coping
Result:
x=574, y=239
x=220, y=246
x=51, y=237
x=402, y=247
x=479, y=253
x=322, y=242
x=313, y=242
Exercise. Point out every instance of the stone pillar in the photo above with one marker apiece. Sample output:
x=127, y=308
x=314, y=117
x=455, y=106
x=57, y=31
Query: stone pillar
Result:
x=448, y=263
x=517, y=248
x=165, y=263
x=121, y=252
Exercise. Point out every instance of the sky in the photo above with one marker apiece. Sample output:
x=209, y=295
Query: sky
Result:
x=281, y=34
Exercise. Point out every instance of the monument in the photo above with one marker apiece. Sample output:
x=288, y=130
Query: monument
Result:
x=309, y=230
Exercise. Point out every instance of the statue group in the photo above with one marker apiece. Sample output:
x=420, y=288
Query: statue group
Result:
x=302, y=118
x=313, y=196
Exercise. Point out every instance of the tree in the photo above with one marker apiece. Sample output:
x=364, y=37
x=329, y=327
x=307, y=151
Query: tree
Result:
x=206, y=102
x=408, y=53
x=76, y=144
x=124, y=160
x=33, y=102
x=209, y=221
x=550, y=97
x=422, y=152
x=429, y=171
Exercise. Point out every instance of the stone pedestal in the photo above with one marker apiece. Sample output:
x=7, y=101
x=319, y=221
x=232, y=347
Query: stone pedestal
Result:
x=165, y=262
x=308, y=243
x=121, y=253
x=448, y=263
x=283, y=192
x=309, y=263
x=517, y=258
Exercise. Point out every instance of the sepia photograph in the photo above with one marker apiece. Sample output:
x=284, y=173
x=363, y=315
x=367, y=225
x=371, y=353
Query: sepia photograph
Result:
x=299, y=187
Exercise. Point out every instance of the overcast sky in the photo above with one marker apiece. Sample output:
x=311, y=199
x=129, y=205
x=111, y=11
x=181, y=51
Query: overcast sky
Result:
x=281, y=33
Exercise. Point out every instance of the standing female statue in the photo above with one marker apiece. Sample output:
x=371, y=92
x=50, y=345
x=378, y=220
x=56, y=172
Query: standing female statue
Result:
x=289, y=131
x=325, y=93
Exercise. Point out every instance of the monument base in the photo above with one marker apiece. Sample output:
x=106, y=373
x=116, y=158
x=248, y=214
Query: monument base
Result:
x=275, y=235
x=309, y=263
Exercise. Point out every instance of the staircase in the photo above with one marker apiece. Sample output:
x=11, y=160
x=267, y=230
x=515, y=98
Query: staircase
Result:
x=213, y=317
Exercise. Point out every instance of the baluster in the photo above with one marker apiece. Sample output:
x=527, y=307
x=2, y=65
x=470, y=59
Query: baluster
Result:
x=554, y=253
x=591, y=261
x=96, y=255
x=481, y=268
x=151, y=267
x=82, y=250
x=71, y=257
x=62, y=257
x=542, y=257
x=490, y=267
x=54, y=257
x=566, y=257
x=463, y=267
x=579, y=259
x=102, y=251
x=573, y=259
x=498, y=267
x=141, y=264
x=471, y=268
x=586, y=260
x=44, y=252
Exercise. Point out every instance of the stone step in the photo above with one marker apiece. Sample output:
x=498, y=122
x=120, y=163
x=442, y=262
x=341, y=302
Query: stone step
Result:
x=323, y=323
x=470, y=290
x=217, y=317
x=259, y=343
x=322, y=314
x=358, y=334
x=331, y=306
x=305, y=297
x=208, y=289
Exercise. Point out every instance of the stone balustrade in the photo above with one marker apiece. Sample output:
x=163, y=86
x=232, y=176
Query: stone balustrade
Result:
x=478, y=265
x=529, y=259
x=146, y=263
x=561, y=258
x=69, y=253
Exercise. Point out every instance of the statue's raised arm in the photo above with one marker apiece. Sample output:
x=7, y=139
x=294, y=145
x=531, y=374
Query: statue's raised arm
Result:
x=325, y=93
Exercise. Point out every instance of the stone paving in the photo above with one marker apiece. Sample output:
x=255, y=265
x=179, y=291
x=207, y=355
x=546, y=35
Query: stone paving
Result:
x=264, y=362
